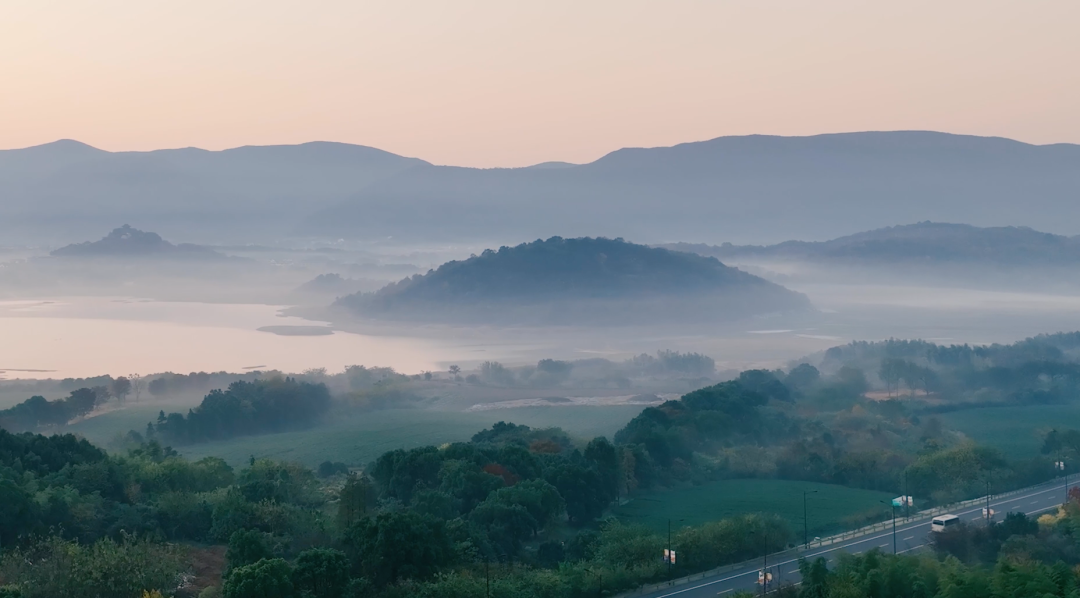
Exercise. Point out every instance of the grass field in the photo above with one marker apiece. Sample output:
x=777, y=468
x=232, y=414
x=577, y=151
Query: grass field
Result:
x=1016, y=431
x=360, y=439
x=829, y=508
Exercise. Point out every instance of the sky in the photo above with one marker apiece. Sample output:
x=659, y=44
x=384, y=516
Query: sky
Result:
x=497, y=83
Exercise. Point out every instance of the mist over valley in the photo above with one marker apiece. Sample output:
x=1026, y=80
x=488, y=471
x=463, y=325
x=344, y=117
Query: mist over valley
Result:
x=328, y=341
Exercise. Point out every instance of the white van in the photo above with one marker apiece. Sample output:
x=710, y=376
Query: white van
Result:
x=943, y=522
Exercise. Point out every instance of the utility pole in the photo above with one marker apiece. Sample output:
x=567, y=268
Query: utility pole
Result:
x=806, y=525
x=487, y=577
x=987, y=503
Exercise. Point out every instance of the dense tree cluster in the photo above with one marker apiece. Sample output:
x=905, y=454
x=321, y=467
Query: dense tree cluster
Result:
x=1041, y=369
x=265, y=405
x=37, y=412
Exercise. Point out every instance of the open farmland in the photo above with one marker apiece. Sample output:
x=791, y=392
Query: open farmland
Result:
x=1016, y=431
x=829, y=508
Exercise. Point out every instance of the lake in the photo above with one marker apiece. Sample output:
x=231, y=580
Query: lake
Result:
x=87, y=336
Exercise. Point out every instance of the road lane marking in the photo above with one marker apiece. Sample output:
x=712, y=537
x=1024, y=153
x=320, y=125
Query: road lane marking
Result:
x=908, y=538
x=859, y=540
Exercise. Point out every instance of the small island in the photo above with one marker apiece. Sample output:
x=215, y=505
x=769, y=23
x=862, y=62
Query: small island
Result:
x=131, y=242
x=578, y=281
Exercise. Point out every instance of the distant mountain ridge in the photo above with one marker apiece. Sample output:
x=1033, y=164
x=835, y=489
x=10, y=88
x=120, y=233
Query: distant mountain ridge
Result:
x=577, y=281
x=924, y=242
x=131, y=242
x=746, y=189
x=246, y=193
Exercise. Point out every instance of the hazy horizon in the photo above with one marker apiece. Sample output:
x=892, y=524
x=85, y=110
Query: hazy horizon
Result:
x=491, y=84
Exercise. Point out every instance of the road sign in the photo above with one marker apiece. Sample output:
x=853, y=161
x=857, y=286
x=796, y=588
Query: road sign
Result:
x=903, y=501
x=764, y=577
x=669, y=556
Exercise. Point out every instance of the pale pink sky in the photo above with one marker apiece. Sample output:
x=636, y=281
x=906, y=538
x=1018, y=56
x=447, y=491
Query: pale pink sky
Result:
x=510, y=82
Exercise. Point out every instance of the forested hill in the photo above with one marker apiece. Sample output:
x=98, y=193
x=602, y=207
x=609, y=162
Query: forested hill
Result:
x=922, y=243
x=577, y=276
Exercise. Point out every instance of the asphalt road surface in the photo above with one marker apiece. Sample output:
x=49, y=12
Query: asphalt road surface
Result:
x=909, y=536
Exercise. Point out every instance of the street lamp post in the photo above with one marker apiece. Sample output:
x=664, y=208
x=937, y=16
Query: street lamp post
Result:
x=987, y=503
x=670, y=552
x=764, y=575
x=806, y=525
x=906, y=513
x=764, y=560
x=892, y=508
x=1059, y=465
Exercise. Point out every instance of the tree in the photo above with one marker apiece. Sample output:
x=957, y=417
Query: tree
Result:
x=137, y=384
x=18, y=515
x=398, y=545
x=120, y=388
x=353, y=500
x=582, y=489
x=853, y=380
x=268, y=578
x=802, y=376
x=891, y=372
x=247, y=547
x=508, y=526
x=454, y=371
x=321, y=573
x=605, y=458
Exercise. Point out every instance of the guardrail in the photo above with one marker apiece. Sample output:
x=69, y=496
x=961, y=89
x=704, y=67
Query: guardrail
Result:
x=836, y=538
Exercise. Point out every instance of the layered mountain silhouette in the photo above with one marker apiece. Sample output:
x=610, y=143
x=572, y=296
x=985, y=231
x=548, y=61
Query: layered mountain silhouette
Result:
x=752, y=189
x=54, y=192
x=922, y=243
x=578, y=281
x=740, y=189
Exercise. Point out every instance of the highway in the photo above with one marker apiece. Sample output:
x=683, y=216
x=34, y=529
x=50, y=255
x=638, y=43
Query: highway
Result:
x=909, y=536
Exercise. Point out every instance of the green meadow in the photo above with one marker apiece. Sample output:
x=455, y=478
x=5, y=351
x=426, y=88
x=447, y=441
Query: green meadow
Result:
x=359, y=439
